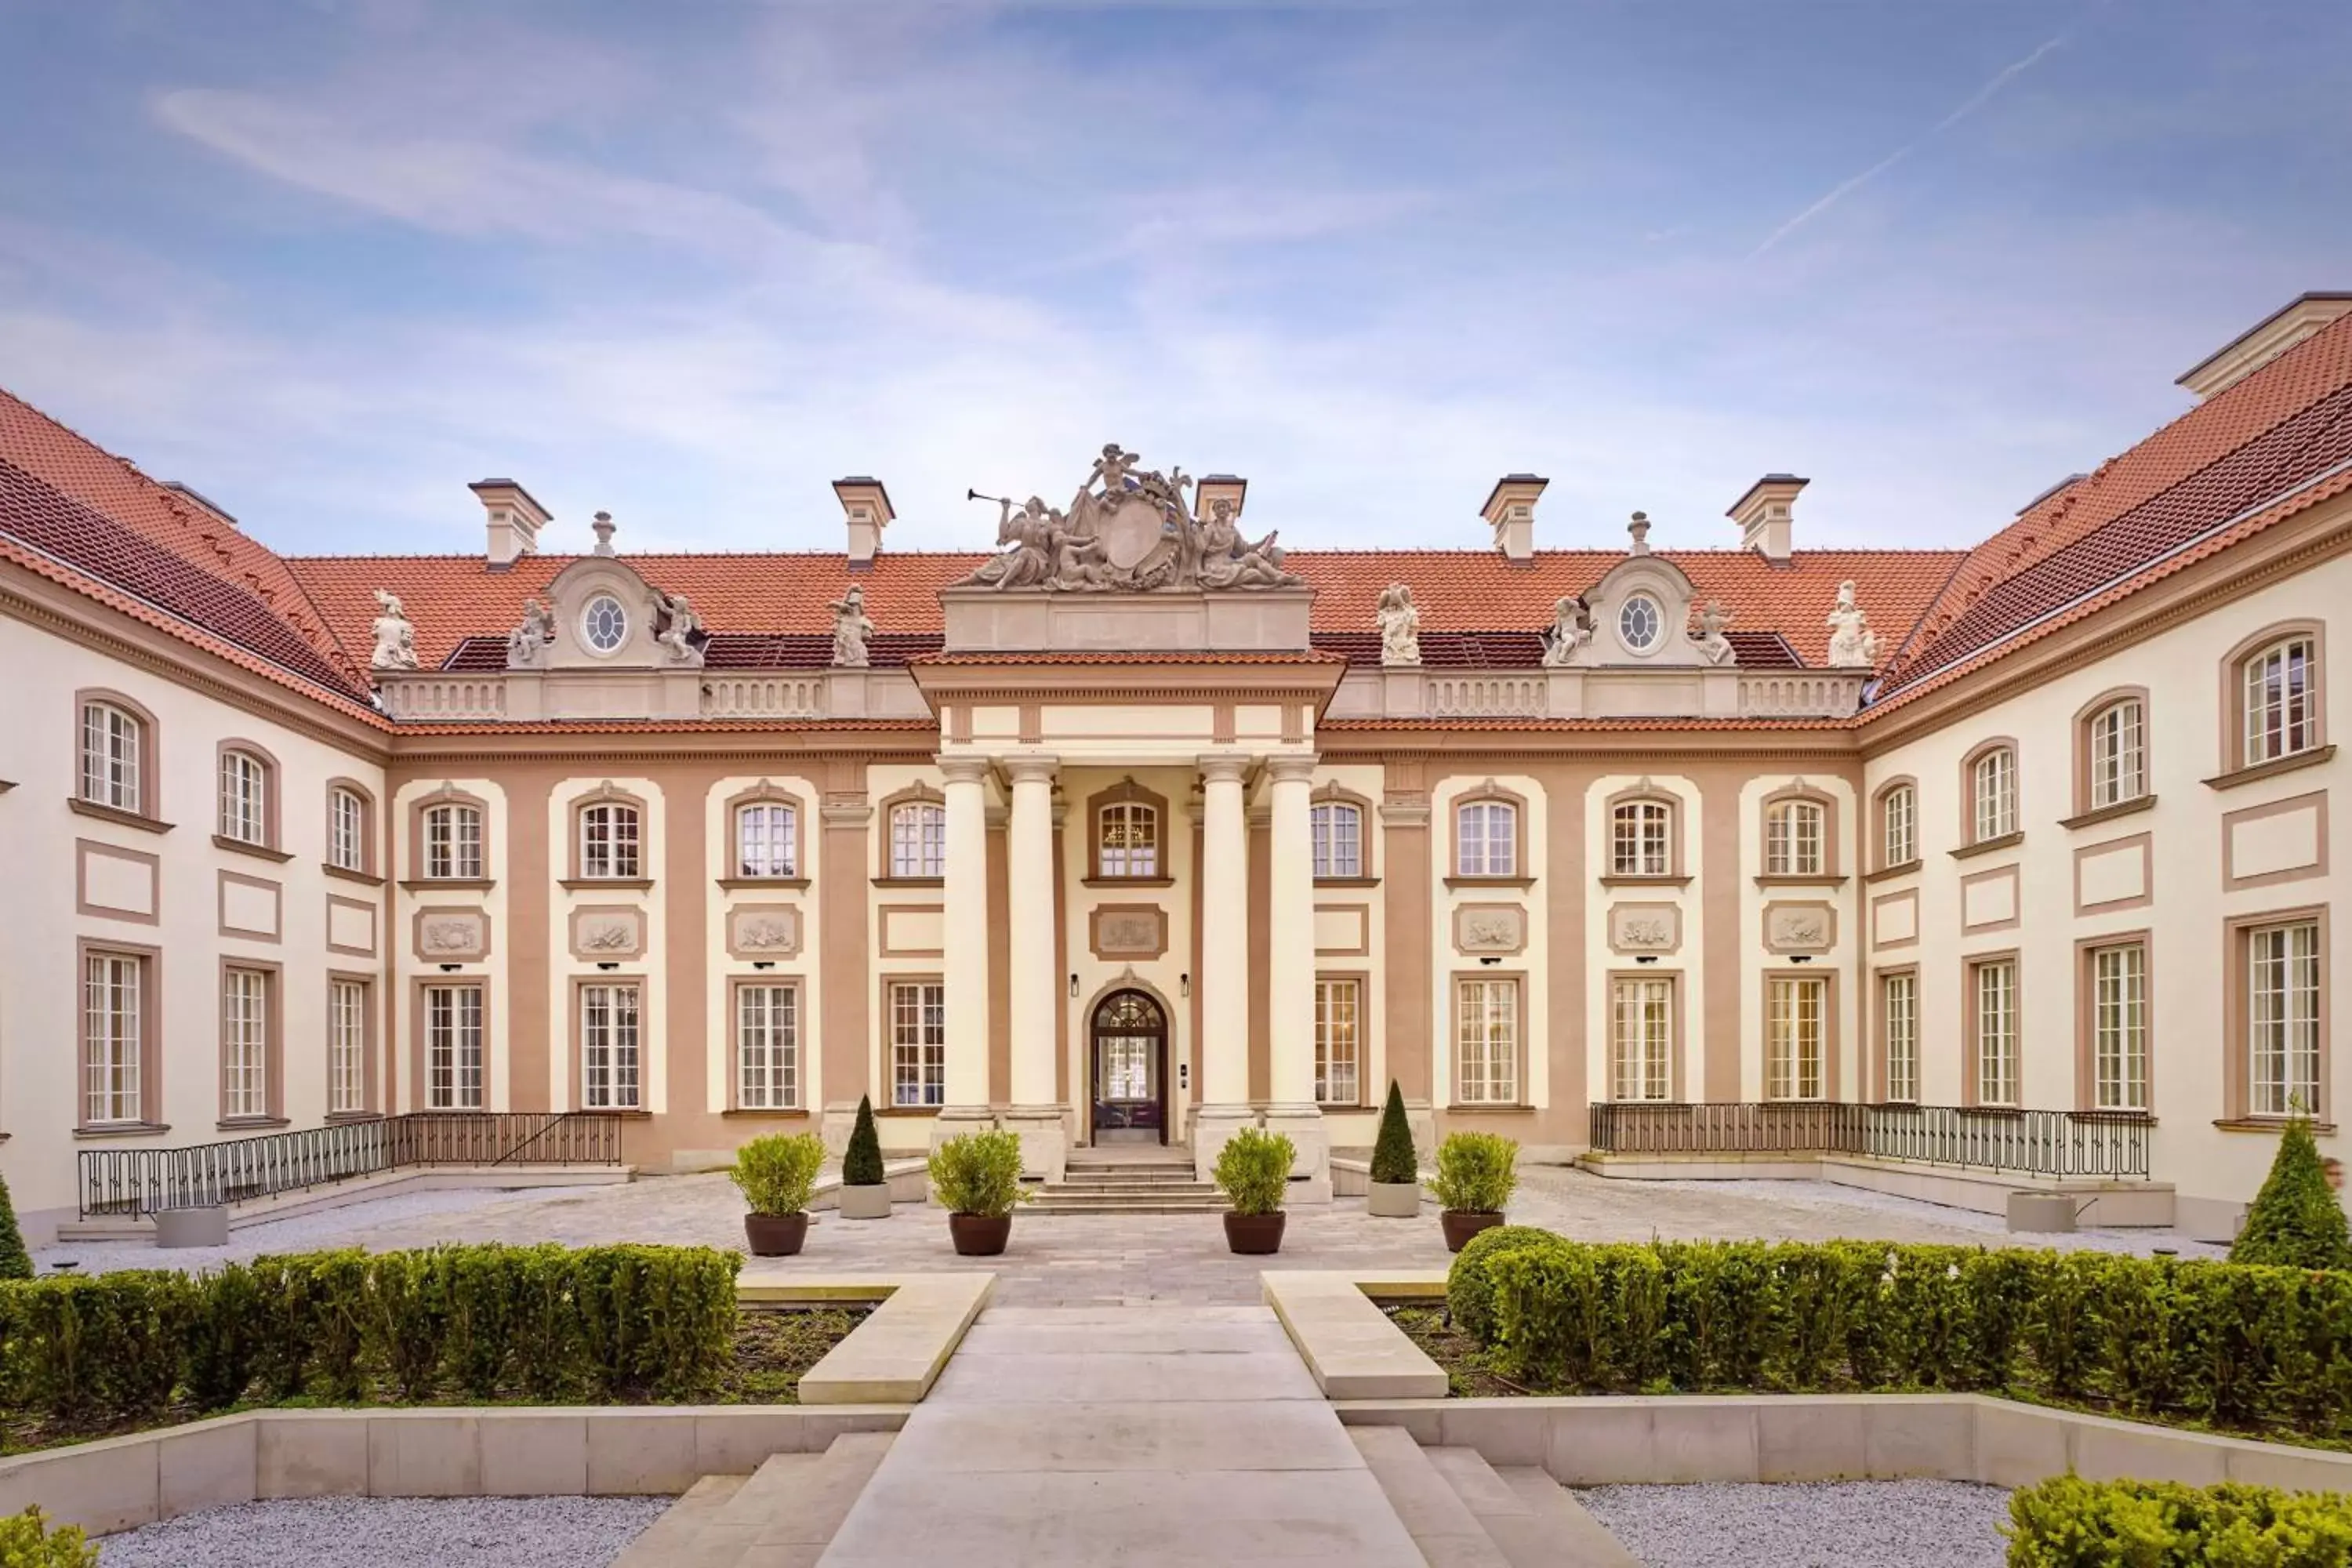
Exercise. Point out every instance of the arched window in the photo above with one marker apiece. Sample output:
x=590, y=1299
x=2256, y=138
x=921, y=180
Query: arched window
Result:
x=1339, y=833
x=1640, y=838
x=112, y=740
x=609, y=841
x=1792, y=838
x=1486, y=839
x=346, y=830
x=1898, y=826
x=453, y=842
x=243, y=797
x=2280, y=709
x=919, y=839
x=2118, y=755
x=1992, y=795
x=1129, y=845
x=767, y=839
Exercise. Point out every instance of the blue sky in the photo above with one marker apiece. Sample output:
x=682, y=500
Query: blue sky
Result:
x=330, y=261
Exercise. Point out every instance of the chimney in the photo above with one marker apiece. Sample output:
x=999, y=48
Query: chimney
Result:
x=1764, y=515
x=2304, y=316
x=515, y=520
x=1216, y=488
x=1510, y=509
x=868, y=506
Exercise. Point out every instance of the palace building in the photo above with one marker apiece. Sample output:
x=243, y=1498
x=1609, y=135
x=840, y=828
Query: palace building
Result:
x=1942, y=872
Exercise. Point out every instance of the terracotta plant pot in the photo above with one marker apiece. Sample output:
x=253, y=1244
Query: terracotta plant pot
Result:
x=1255, y=1235
x=1393, y=1200
x=866, y=1203
x=980, y=1235
x=1461, y=1224
x=775, y=1234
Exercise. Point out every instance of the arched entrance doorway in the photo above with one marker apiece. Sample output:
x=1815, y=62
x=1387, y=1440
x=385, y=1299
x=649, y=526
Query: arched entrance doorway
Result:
x=1127, y=1046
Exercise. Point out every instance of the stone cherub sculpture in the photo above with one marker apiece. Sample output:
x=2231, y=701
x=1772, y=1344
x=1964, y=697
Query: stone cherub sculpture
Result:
x=1399, y=626
x=1713, y=646
x=851, y=629
x=528, y=644
x=1571, y=630
x=395, y=639
x=1852, y=645
x=1229, y=561
x=678, y=626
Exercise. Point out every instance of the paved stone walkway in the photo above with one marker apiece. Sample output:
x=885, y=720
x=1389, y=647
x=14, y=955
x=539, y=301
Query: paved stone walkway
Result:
x=1130, y=1435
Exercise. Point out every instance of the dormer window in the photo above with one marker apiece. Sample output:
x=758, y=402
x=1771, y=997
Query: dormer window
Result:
x=604, y=623
x=1639, y=621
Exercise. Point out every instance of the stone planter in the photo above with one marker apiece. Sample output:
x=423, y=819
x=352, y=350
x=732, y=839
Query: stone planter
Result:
x=204, y=1225
x=980, y=1235
x=775, y=1234
x=866, y=1203
x=1255, y=1235
x=1393, y=1200
x=1461, y=1224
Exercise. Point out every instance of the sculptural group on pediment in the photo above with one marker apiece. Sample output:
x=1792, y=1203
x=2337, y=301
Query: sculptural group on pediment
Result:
x=1852, y=645
x=1127, y=531
x=396, y=638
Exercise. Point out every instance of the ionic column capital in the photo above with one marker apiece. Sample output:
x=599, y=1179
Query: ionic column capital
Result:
x=1030, y=768
x=1222, y=767
x=1291, y=769
x=964, y=770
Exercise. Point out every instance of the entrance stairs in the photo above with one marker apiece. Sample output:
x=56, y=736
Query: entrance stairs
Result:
x=780, y=1516
x=1463, y=1512
x=1128, y=1181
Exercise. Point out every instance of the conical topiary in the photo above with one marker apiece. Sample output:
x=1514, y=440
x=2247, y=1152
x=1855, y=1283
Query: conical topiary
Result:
x=861, y=1163
x=2296, y=1221
x=15, y=1263
x=1393, y=1160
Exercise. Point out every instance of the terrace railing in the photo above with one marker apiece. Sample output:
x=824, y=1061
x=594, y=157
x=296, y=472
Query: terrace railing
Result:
x=128, y=1182
x=2030, y=1143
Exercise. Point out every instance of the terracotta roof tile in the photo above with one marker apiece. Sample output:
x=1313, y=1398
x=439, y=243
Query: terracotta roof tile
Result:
x=1135, y=656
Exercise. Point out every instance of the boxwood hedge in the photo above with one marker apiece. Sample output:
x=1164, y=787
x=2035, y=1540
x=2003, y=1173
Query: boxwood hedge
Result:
x=2069, y=1522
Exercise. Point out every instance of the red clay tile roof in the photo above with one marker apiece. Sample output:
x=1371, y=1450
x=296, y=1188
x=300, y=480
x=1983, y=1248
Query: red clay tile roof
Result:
x=1135, y=656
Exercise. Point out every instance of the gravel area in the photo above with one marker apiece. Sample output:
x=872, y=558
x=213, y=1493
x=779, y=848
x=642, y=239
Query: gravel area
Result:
x=1817, y=1525
x=393, y=1532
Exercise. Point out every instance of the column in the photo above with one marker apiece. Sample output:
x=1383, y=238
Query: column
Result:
x=1290, y=990
x=1035, y=968
x=1224, y=979
x=965, y=967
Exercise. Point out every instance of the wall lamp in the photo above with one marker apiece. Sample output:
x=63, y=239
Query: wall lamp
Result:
x=449, y=968
x=1490, y=961
x=1074, y=985
x=1801, y=958
x=1645, y=958
x=1183, y=985
x=763, y=964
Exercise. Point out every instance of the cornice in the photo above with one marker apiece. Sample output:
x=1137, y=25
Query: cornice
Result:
x=663, y=746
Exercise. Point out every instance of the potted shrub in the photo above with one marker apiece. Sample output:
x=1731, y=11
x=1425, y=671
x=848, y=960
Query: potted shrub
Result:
x=775, y=1175
x=865, y=1191
x=977, y=1179
x=1395, y=1191
x=1253, y=1173
x=1475, y=1173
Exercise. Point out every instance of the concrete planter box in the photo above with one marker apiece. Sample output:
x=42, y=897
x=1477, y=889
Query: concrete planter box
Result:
x=1393, y=1200
x=2042, y=1211
x=204, y=1227
x=866, y=1203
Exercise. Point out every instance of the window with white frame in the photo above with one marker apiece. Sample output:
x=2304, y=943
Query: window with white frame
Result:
x=1992, y=795
x=347, y=1038
x=2280, y=699
x=609, y=841
x=453, y=1047
x=767, y=839
x=1486, y=1041
x=2118, y=759
x=1899, y=1013
x=1641, y=1037
x=243, y=797
x=111, y=741
x=1339, y=1041
x=114, y=1037
x=767, y=1047
x=245, y=1042
x=609, y=1059
x=1338, y=835
x=1792, y=838
x=1794, y=1011
x=919, y=839
x=919, y=1043
x=1640, y=838
x=1995, y=1027
x=2282, y=1034
x=1129, y=843
x=1486, y=839
x=346, y=830
x=453, y=842
x=1899, y=825
x=2119, y=1027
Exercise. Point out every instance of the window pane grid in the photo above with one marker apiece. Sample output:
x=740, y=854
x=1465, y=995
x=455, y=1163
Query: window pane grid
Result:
x=919, y=839
x=1900, y=994
x=1996, y=1033
x=608, y=1047
x=346, y=1046
x=2119, y=761
x=767, y=1047
x=245, y=1042
x=2284, y=993
x=608, y=842
x=1902, y=842
x=1641, y=1039
x=1639, y=844
x=1338, y=1039
x=2278, y=702
x=2119, y=1027
x=346, y=831
x=453, y=1047
x=1792, y=839
x=1487, y=842
x=453, y=843
x=1338, y=837
x=242, y=782
x=113, y=1002
x=1792, y=1040
x=1994, y=792
x=1486, y=1041
x=919, y=1048
x=766, y=837
x=1131, y=840
x=109, y=756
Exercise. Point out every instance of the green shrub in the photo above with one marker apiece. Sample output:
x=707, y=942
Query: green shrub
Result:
x=1252, y=1170
x=224, y=1331
x=543, y=1326
x=2296, y=1221
x=1470, y=1287
x=1393, y=1160
x=15, y=1263
x=2069, y=1522
x=27, y=1543
x=979, y=1174
x=408, y=1318
x=103, y=1348
x=333, y=1304
x=861, y=1163
x=483, y=1293
x=776, y=1172
x=654, y=1320
x=1476, y=1172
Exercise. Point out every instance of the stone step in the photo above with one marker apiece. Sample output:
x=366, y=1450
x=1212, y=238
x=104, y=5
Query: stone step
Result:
x=1125, y=1189
x=781, y=1516
x=1125, y=1206
x=666, y=1538
x=1531, y=1518
x=1136, y=1173
x=1441, y=1524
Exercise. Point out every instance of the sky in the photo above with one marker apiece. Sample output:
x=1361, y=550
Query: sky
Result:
x=327, y=261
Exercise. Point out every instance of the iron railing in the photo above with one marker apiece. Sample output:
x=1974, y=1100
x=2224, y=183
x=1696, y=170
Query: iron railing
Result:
x=128, y=1182
x=2030, y=1142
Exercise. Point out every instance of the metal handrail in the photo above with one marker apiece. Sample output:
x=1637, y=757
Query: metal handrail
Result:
x=2030, y=1142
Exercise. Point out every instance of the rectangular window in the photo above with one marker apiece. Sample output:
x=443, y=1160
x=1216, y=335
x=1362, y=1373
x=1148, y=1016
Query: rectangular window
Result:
x=919, y=839
x=346, y=831
x=114, y=1005
x=1898, y=999
x=1487, y=842
x=1337, y=1042
x=244, y=1043
x=2283, y=991
x=2119, y=1027
x=1901, y=809
x=1792, y=1037
x=453, y=1047
x=453, y=843
x=1993, y=783
x=347, y=1036
x=1792, y=839
x=1338, y=832
x=767, y=1047
x=1995, y=984
x=766, y=836
x=2118, y=758
x=608, y=842
x=110, y=757
x=244, y=783
x=919, y=1043
x=1641, y=1039
x=2278, y=702
x=1486, y=1041
x=1131, y=840
x=1639, y=843
x=609, y=1075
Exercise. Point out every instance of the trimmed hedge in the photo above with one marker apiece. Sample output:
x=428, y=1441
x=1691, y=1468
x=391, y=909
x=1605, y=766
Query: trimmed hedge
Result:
x=2069, y=1522
x=2245, y=1347
x=603, y=1324
x=2296, y=1221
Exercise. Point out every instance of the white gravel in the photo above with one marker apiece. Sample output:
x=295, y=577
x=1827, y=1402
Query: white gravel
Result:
x=319, y=1229
x=391, y=1532
x=1814, y=1524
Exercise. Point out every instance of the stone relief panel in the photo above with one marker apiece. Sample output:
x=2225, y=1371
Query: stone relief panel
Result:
x=1645, y=928
x=606, y=932
x=1490, y=928
x=452, y=936
x=1800, y=928
x=1126, y=930
x=763, y=931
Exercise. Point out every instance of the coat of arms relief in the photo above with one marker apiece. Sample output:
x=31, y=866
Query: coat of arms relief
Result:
x=1127, y=531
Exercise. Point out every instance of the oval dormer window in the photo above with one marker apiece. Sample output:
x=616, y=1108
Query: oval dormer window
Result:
x=1639, y=621
x=604, y=624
